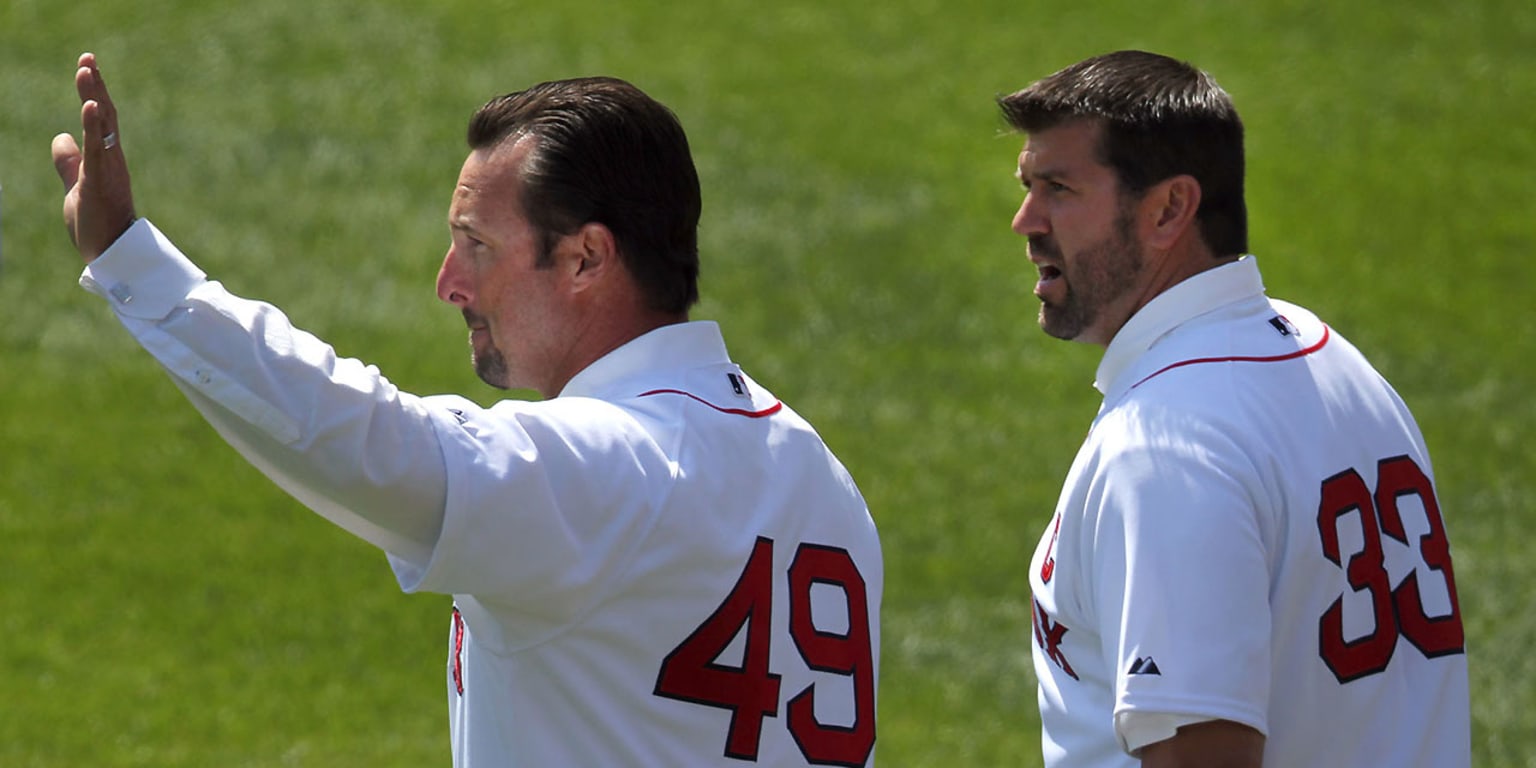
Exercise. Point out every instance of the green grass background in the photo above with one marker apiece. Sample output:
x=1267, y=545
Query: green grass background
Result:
x=161, y=604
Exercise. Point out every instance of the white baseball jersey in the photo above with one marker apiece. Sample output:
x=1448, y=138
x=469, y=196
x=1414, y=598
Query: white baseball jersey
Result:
x=663, y=566
x=1249, y=532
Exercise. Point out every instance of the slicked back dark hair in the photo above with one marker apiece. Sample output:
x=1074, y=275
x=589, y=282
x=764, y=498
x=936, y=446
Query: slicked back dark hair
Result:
x=1161, y=118
x=606, y=152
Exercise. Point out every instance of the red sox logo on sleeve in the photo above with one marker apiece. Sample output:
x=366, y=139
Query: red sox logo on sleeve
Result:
x=458, y=651
x=1048, y=635
x=1048, y=565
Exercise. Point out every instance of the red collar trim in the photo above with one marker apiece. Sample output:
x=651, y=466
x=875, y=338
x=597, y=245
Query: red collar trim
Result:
x=769, y=411
x=1277, y=358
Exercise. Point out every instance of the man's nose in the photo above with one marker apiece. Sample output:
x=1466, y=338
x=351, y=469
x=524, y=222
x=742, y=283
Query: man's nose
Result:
x=452, y=286
x=1030, y=220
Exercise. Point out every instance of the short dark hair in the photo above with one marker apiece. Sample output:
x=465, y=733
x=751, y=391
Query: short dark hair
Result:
x=1161, y=118
x=607, y=153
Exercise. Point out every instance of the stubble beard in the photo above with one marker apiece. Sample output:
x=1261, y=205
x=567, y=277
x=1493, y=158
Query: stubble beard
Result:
x=1095, y=277
x=491, y=367
x=490, y=364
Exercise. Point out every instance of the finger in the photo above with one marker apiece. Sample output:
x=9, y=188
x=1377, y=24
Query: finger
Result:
x=98, y=119
x=104, y=97
x=66, y=159
x=88, y=85
x=85, y=83
x=90, y=134
x=93, y=87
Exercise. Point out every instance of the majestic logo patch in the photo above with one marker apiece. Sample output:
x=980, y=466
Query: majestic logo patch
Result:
x=1284, y=326
x=1144, y=666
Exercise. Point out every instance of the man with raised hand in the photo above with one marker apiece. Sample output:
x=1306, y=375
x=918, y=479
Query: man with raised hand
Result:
x=604, y=547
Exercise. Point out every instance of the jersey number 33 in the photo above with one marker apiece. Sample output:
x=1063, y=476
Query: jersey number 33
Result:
x=1397, y=610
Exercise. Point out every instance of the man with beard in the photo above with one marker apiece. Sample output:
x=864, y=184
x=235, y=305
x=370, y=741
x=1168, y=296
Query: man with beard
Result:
x=604, y=546
x=1247, y=565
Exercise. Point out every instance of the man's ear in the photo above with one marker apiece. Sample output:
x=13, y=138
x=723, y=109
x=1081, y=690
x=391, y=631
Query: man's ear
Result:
x=1169, y=209
x=590, y=253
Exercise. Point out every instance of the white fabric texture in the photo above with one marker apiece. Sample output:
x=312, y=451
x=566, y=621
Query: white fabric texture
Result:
x=1185, y=575
x=586, y=540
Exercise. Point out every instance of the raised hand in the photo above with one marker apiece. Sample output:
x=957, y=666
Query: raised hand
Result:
x=98, y=199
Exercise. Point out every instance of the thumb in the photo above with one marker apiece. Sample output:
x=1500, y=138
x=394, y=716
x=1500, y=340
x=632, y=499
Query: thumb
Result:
x=66, y=159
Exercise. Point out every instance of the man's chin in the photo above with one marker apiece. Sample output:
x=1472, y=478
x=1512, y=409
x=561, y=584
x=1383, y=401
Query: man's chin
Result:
x=492, y=370
x=1061, y=325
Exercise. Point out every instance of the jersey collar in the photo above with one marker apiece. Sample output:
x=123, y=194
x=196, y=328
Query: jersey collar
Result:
x=1195, y=296
x=677, y=347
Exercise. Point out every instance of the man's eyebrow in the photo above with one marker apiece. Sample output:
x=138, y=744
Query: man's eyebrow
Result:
x=1048, y=174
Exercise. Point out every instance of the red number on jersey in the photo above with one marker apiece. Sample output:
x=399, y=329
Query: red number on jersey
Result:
x=1398, y=611
x=690, y=672
x=1433, y=636
x=750, y=691
x=829, y=652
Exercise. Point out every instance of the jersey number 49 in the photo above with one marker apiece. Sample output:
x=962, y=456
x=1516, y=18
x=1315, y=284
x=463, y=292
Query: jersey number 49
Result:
x=692, y=673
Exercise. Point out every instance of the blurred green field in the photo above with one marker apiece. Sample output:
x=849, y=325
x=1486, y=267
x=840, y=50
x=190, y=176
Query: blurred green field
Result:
x=162, y=604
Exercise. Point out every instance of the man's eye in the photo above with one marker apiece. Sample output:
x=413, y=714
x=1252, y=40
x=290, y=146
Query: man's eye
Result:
x=1050, y=186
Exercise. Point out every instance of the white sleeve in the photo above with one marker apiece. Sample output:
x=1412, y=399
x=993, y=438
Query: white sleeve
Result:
x=548, y=503
x=331, y=431
x=1181, y=578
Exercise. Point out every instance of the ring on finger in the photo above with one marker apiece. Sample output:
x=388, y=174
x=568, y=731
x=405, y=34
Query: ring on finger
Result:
x=110, y=140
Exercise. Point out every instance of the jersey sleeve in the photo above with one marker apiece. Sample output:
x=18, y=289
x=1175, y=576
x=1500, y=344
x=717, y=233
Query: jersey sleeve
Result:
x=1180, y=574
x=547, y=503
x=331, y=431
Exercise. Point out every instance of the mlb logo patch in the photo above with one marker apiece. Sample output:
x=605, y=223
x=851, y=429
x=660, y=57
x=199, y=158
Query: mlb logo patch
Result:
x=1284, y=326
x=738, y=385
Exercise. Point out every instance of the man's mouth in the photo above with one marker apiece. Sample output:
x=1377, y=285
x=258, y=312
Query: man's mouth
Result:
x=1044, y=253
x=474, y=321
x=1049, y=278
x=479, y=336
